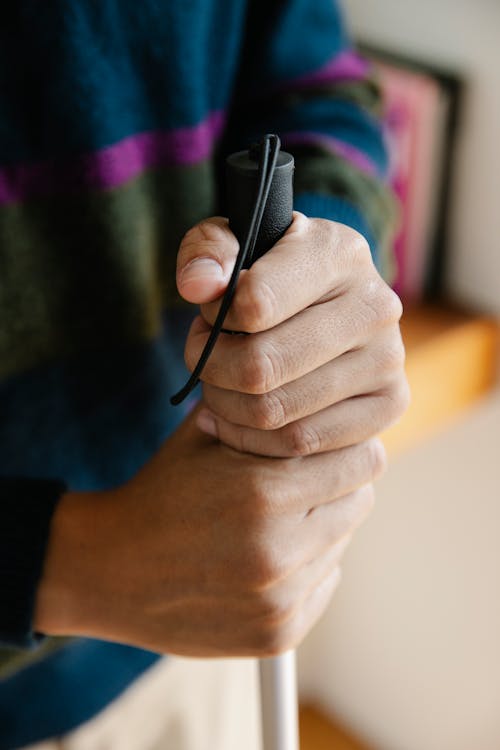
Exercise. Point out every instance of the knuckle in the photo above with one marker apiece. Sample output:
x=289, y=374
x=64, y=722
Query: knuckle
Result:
x=359, y=246
x=263, y=493
x=377, y=458
x=268, y=410
x=192, y=236
x=383, y=303
x=398, y=399
x=274, y=640
x=301, y=439
x=403, y=396
x=208, y=230
x=190, y=356
x=394, y=305
x=278, y=629
x=255, y=304
x=259, y=373
x=354, y=248
x=256, y=499
x=392, y=356
x=253, y=569
x=274, y=606
x=213, y=233
x=391, y=307
x=268, y=569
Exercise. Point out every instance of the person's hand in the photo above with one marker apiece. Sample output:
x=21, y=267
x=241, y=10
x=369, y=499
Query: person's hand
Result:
x=324, y=366
x=211, y=551
x=206, y=551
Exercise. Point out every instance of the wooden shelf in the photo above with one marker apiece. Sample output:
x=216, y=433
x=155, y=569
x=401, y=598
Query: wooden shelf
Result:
x=319, y=733
x=452, y=360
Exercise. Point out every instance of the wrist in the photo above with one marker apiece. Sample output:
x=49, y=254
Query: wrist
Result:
x=73, y=582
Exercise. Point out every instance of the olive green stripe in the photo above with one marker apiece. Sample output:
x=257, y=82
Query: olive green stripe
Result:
x=318, y=170
x=365, y=94
x=80, y=272
x=11, y=660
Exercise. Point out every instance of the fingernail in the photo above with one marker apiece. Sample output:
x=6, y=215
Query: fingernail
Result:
x=201, y=269
x=206, y=422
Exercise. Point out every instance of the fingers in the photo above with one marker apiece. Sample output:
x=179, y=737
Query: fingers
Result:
x=292, y=487
x=351, y=421
x=366, y=370
x=314, y=260
x=287, y=634
x=264, y=361
x=327, y=524
x=289, y=622
x=205, y=260
x=279, y=614
x=314, y=607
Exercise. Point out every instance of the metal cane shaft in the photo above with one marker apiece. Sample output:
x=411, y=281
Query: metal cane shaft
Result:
x=278, y=696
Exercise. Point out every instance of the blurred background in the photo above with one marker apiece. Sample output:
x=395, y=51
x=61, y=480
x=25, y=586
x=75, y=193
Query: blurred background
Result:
x=408, y=655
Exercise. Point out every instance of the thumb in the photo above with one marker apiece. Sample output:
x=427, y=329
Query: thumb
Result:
x=205, y=260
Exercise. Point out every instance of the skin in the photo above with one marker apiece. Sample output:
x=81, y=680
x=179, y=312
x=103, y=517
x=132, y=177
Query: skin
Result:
x=228, y=541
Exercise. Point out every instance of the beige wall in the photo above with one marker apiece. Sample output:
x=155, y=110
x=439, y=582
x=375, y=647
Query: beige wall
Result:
x=409, y=651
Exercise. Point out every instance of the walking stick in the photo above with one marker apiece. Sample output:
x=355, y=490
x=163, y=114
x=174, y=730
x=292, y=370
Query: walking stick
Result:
x=260, y=203
x=278, y=684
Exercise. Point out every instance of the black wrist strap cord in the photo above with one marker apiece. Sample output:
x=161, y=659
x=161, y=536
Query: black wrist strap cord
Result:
x=268, y=151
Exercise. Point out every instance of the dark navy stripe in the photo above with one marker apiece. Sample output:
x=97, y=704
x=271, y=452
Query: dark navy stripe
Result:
x=139, y=68
x=92, y=421
x=142, y=67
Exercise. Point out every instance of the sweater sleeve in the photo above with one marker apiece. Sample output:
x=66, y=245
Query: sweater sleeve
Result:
x=27, y=506
x=301, y=78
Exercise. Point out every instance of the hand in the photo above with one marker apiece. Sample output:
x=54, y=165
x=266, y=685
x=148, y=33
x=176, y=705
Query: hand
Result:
x=206, y=551
x=211, y=551
x=324, y=366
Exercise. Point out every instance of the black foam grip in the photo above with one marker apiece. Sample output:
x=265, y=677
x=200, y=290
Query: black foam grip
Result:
x=241, y=182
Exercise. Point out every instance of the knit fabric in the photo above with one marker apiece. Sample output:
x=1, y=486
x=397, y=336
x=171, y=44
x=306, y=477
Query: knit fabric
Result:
x=114, y=120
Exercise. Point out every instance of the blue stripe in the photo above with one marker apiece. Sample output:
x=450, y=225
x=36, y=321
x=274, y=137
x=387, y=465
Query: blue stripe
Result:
x=78, y=681
x=337, y=209
x=325, y=34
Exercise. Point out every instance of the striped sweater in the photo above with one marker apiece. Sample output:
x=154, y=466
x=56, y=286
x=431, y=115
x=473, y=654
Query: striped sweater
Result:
x=115, y=117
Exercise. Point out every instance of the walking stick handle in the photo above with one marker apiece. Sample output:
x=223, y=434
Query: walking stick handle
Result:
x=242, y=175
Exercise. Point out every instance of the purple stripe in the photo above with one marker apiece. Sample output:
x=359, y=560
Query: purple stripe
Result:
x=114, y=165
x=340, y=148
x=346, y=66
